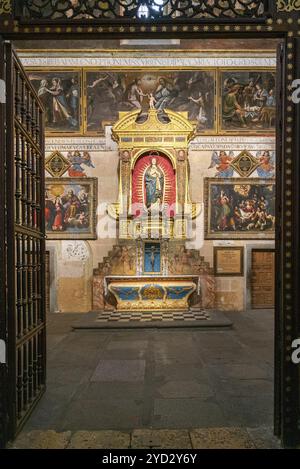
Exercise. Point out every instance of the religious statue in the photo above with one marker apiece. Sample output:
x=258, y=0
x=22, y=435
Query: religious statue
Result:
x=152, y=101
x=154, y=185
x=153, y=257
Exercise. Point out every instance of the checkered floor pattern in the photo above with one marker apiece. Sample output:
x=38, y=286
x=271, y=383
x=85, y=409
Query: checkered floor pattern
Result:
x=150, y=316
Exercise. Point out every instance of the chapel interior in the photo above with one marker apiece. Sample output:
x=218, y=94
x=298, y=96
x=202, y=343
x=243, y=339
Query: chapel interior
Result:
x=160, y=174
x=160, y=171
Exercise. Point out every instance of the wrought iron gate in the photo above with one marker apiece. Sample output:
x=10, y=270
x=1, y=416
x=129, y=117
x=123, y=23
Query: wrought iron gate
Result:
x=23, y=243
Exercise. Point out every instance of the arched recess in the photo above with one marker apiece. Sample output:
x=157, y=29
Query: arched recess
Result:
x=139, y=169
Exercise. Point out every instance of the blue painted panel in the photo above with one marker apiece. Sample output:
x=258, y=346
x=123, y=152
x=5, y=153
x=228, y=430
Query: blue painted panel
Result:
x=178, y=293
x=152, y=258
x=127, y=293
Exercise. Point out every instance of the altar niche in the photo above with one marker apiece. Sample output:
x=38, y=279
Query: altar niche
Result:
x=154, y=197
x=152, y=262
x=153, y=186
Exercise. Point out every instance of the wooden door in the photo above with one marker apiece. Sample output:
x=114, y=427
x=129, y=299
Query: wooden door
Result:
x=263, y=279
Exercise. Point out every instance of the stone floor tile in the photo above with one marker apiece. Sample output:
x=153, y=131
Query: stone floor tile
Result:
x=100, y=440
x=186, y=413
x=221, y=438
x=120, y=370
x=264, y=438
x=101, y=390
x=103, y=414
x=185, y=389
x=155, y=439
x=127, y=344
x=42, y=440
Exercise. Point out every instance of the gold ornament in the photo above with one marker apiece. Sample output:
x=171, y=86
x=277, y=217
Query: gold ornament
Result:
x=5, y=7
x=288, y=5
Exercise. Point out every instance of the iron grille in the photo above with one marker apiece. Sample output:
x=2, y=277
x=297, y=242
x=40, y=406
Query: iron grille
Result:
x=141, y=10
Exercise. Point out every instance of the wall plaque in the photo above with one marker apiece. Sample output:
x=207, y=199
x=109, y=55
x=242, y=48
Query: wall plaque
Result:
x=228, y=261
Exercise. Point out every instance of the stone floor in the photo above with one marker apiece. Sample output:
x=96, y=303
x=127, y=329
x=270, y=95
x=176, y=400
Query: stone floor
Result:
x=208, y=388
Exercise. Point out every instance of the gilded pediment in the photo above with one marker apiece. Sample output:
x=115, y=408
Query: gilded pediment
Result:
x=132, y=125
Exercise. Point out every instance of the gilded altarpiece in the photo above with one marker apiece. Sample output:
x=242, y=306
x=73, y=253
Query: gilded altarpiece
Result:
x=153, y=143
x=150, y=268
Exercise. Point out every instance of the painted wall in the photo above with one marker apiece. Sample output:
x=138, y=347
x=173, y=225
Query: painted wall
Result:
x=72, y=262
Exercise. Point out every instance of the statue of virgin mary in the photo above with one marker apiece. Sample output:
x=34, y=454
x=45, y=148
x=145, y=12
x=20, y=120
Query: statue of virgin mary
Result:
x=154, y=185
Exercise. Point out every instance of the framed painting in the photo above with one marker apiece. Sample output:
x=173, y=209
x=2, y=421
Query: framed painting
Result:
x=109, y=92
x=70, y=208
x=228, y=261
x=152, y=257
x=239, y=208
x=60, y=91
x=247, y=101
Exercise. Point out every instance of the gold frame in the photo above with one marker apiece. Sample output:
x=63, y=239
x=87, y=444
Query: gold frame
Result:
x=64, y=133
x=240, y=272
x=263, y=235
x=220, y=130
x=93, y=183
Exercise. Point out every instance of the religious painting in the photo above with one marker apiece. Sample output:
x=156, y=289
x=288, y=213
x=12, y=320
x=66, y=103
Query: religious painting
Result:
x=153, y=185
x=248, y=101
x=78, y=162
x=152, y=257
x=239, y=208
x=267, y=164
x=228, y=164
x=60, y=94
x=221, y=161
x=109, y=92
x=70, y=208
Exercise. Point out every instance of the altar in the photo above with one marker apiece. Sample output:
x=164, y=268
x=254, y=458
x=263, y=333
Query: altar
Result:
x=155, y=293
x=150, y=268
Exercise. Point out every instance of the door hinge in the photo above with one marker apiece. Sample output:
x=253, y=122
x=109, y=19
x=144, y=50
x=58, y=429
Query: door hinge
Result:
x=2, y=92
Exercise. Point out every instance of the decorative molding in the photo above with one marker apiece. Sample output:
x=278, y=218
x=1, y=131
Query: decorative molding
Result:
x=245, y=164
x=75, y=250
x=232, y=143
x=179, y=62
x=56, y=164
x=78, y=143
x=5, y=7
x=288, y=5
x=207, y=142
x=137, y=11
